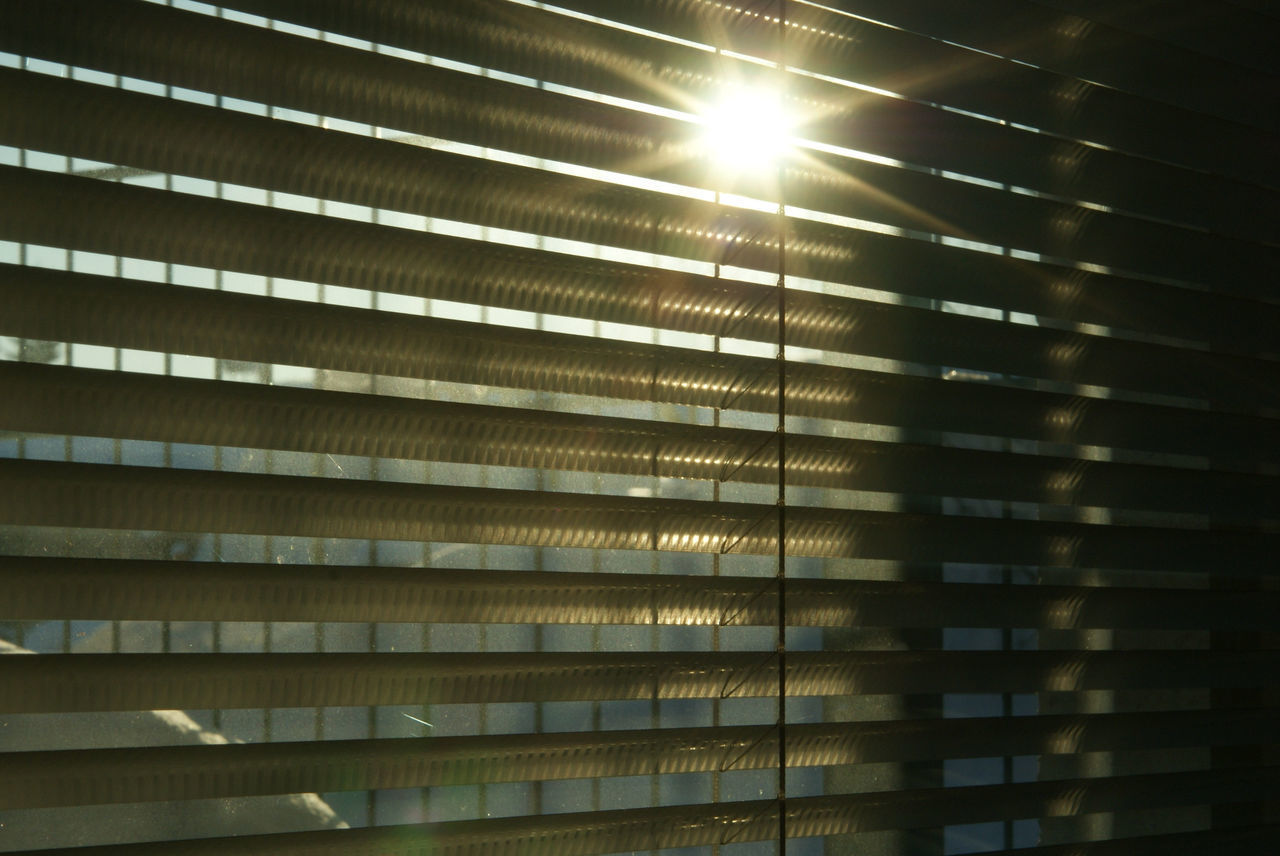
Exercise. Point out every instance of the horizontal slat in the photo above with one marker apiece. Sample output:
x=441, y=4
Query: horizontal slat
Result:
x=822, y=41
x=192, y=230
x=44, y=304
x=1082, y=48
x=213, y=55
x=65, y=683
x=846, y=47
x=78, y=777
x=146, y=498
x=1251, y=839
x=920, y=134
x=890, y=127
x=42, y=588
x=188, y=139
x=1065, y=44
x=854, y=188
x=1221, y=30
x=89, y=402
x=543, y=124
x=585, y=833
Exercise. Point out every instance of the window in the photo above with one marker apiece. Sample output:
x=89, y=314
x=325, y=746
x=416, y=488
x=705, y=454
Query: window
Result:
x=391, y=455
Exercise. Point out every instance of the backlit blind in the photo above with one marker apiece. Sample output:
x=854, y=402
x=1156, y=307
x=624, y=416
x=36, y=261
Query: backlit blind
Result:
x=435, y=427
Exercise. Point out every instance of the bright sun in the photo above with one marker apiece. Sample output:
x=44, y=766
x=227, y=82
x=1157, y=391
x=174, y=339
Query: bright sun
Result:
x=747, y=129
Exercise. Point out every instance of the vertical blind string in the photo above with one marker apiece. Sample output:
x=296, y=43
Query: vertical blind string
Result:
x=782, y=451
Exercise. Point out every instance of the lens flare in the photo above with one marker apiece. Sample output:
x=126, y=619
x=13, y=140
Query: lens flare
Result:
x=746, y=129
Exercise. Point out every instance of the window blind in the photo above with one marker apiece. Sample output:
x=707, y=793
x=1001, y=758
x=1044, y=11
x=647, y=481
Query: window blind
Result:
x=419, y=439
